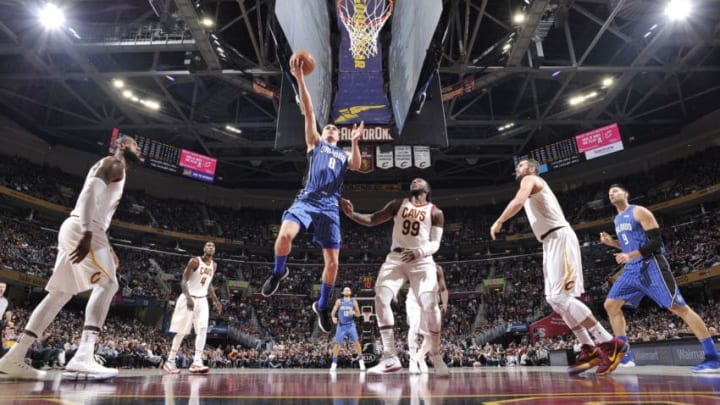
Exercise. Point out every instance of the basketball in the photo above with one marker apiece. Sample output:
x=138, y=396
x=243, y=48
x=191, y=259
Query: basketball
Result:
x=307, y=59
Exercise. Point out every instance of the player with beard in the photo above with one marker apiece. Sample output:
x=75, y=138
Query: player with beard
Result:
x=85, y=261
x=562, y=269
x=191, y=308
x=416, y=237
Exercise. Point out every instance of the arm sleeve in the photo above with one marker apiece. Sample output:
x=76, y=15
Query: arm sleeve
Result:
x=431, y=247
x=87, y=201
x=653, y=244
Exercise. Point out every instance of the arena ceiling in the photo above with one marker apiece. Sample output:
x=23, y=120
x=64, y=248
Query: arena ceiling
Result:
x=59, y=83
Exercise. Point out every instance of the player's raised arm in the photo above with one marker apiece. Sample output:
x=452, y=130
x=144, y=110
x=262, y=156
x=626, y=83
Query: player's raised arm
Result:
x=312, y=137
x=355, y=160
x=376, y=218
x=515, y=205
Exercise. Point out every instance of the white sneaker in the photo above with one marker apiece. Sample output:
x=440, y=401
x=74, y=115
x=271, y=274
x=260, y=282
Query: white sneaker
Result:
x=333, y=367
x=440, y=368
x=17, y=369
x=198, y=368
x=385, y=366
x=413, y=369
x=80, y=368
x=170, y=368
x=627, y=364
x=362, y=365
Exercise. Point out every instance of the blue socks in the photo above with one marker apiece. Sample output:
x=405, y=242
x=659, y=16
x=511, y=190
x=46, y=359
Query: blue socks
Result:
x=334, y=359
x=709, y=348
x=325, y=294
x=279, y=268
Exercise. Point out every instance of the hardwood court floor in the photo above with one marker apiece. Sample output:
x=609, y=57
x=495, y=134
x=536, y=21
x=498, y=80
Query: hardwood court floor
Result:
x=514, y=385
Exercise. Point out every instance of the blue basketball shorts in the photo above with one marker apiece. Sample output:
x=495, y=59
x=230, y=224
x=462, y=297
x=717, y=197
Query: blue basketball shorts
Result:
x=649, y=277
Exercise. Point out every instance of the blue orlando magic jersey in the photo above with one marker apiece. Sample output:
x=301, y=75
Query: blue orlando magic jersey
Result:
x=630, y=233
x=345, y=312
x=326, y=168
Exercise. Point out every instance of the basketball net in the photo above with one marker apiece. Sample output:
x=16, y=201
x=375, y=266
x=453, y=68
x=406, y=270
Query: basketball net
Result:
x=363, y=20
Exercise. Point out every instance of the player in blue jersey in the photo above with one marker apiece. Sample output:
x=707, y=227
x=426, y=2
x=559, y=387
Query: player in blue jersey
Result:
x=647, y=272
x=316, y=204
x=343, y=314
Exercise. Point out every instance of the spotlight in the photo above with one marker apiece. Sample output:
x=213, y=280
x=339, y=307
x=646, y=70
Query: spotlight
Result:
x=519, y=18
x=118, y=83
x=678, y=9
x=127, y=94
x=207, y=22
x=607, y=82
x=51, y=16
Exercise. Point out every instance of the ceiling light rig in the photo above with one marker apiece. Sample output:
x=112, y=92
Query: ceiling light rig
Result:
x=128, y=94
x=51, y=16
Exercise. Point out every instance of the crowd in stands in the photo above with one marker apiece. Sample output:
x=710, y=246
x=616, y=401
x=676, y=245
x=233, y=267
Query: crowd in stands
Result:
x=466, y=226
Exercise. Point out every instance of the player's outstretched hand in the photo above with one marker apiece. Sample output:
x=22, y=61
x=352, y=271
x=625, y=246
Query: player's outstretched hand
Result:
x=357, y=131
x=296, y=67
x=346, y=206
x=82, y=249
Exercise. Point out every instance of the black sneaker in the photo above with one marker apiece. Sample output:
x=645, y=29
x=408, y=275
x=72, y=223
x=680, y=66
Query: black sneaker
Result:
x=271, y=284
x=324, y=320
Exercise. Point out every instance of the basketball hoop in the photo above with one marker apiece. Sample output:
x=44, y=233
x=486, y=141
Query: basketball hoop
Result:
x=363, y=20
x=366, y=316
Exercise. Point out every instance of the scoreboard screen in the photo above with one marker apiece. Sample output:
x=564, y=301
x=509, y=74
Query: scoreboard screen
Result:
x=170, y=158
x=589, y=145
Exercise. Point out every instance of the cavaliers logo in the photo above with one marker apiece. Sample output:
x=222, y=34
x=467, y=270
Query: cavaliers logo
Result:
x=569, y=285
x=95, y=277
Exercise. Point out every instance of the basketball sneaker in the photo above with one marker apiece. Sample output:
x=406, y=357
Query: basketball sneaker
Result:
x=611, y=354
x=13, y=368
x=170, y=368
x=588, y=358
x=333, y=367
x=273, y=282
x=198, y=368
x=361, y=363
x=441, y=368
x=710, y=365
x=386, y=365
x=628, y=360
x=86, y=368
x=324, y=320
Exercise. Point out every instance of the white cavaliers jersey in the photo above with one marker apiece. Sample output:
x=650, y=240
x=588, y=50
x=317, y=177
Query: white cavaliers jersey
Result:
x=412, y=225
x=200, y=279
x=543, y=211
x=105, y=204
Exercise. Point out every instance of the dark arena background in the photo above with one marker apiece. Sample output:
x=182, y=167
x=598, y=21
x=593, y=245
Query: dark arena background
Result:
x=456, y=92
